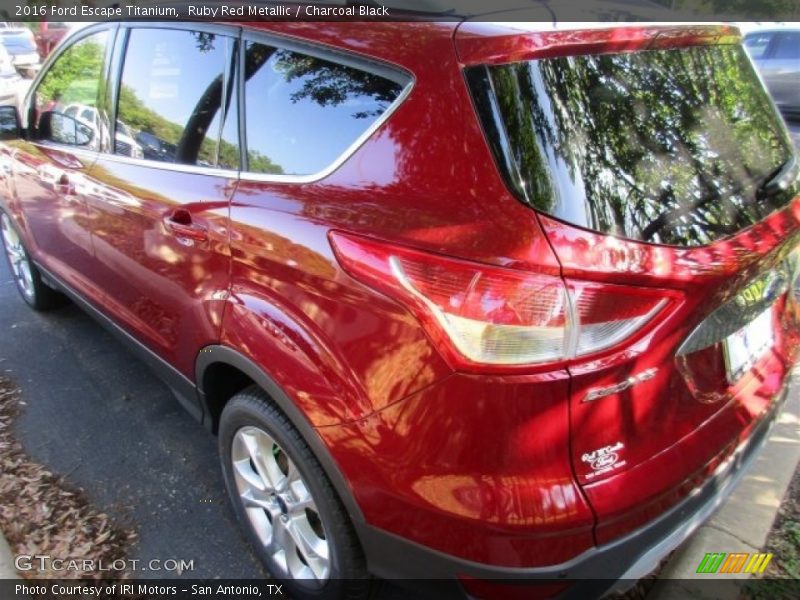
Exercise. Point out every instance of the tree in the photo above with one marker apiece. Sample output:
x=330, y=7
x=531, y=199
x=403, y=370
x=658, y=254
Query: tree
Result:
x=75, y=75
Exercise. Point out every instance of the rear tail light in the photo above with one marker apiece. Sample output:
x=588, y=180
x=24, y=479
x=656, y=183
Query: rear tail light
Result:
x=485, y=315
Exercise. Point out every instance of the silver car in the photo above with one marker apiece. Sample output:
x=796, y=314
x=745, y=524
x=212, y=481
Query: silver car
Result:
x=776, y=53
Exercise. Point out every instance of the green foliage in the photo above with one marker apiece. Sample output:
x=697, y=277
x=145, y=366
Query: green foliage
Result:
x=133, y=112
x=75, y=76
x=756, y=10
x=331, y=84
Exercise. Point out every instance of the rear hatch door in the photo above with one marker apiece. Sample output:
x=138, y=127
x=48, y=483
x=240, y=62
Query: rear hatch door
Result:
x=654, y=157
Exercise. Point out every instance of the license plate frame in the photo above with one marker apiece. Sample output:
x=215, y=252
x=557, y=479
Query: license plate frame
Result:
x=743, y=348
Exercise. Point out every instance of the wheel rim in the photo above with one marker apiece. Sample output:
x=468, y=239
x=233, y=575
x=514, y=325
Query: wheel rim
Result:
x=17, y=257
x=280, y=507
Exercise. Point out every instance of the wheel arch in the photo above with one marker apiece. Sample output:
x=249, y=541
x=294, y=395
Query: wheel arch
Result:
x=221, y=372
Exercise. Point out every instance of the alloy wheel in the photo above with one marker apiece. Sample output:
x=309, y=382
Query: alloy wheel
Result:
x=17, y=257
x=280, y=507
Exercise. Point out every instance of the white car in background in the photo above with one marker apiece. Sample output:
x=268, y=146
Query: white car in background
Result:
x=10, y=79
x=20, y=43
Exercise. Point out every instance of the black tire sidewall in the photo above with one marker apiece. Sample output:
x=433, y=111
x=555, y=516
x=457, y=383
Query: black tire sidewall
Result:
x=248, y=410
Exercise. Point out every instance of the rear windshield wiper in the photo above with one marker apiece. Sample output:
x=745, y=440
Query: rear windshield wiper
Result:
x=780, y=178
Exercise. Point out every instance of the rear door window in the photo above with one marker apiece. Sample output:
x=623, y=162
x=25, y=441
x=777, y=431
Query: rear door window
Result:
x=175, y=100
x=304, y=112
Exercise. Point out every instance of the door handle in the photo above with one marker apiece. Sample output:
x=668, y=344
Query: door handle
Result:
x=180, y=224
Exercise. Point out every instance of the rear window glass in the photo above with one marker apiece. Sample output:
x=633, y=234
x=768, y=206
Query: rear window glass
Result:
x=757, y=44
x=787, y=46
x=663, y=146
x=304, y=112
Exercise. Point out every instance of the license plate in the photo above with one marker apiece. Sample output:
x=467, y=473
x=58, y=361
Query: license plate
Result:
x=743, y=348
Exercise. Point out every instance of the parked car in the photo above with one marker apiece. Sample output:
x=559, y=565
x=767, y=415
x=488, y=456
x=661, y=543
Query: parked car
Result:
x=9, y=78
x=49, y=34
x=776, y=53
x=19, y=42
x=461, y=301
x=124, y=143
x=155, y=148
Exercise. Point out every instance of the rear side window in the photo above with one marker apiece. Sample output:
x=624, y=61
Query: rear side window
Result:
x=664, y=146
x=304, y=112
x=787, y=46
x=65, y=103
x=175, y=103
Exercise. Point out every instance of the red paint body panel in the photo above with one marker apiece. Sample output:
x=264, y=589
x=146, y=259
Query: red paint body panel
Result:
x=471, y=453
x=168, y=290
x=490, y=43
x=52, y=212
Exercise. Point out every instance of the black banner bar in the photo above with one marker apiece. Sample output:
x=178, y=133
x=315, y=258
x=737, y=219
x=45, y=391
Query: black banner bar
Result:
x=710, y=588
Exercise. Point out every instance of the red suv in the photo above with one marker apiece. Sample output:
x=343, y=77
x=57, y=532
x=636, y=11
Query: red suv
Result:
x=462, y=301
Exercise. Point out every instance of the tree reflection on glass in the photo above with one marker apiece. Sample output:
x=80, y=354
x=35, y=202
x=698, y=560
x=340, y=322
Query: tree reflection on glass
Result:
x=304, y=111
x=666, y=146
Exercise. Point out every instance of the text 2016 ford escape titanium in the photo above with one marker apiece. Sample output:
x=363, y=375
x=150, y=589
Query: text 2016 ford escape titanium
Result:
x=461, y=301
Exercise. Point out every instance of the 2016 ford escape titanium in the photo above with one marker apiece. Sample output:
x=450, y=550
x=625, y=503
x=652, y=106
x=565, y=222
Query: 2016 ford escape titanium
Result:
x=461, y=301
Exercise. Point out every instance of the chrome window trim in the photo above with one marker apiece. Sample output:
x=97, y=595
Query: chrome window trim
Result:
x=94, y=157
x=165, y=166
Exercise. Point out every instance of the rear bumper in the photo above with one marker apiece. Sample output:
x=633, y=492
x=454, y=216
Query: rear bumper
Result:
x=615, y=565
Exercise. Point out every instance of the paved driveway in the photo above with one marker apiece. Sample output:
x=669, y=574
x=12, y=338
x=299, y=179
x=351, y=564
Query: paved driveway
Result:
x=97, y=414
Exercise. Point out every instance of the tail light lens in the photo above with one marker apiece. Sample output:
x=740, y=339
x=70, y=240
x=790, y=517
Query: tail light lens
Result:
x=493, y=316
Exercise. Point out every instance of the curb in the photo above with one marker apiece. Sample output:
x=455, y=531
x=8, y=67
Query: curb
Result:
x=7, y=570
x=744, y=521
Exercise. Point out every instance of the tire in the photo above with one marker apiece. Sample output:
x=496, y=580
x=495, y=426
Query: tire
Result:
x=26, y=275
x=265, y=460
